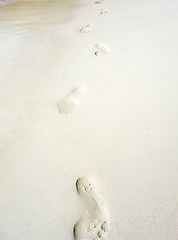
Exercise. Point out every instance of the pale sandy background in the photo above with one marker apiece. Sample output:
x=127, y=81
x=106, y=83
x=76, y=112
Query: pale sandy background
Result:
x=124, y=133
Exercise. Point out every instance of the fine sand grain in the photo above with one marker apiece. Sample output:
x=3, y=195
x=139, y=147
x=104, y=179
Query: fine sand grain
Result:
x=101, y=164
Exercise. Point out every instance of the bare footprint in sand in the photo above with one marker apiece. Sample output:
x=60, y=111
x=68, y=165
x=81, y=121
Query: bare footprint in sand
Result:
x=86, y=29
x=68, y=104
x=104, y=11
x=101, y=50
x=99, y=2
x=94, y=224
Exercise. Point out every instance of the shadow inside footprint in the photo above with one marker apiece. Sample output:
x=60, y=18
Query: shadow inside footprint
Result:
x=85, y=29
x=104, y=11
x=101, y=50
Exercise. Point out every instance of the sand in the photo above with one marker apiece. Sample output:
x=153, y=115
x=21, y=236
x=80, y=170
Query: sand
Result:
x=119, y=134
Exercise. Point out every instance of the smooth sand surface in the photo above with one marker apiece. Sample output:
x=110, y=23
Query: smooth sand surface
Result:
x=122, y=132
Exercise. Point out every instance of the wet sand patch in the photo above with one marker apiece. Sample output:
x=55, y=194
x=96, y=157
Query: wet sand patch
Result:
x=36, y=13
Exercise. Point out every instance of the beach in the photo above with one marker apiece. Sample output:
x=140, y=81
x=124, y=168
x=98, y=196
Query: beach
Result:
x=89, y=120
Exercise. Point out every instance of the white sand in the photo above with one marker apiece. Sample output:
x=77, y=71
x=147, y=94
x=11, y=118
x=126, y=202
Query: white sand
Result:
x=123, y=133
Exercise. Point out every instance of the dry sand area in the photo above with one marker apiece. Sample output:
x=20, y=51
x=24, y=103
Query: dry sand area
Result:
x=89, y=120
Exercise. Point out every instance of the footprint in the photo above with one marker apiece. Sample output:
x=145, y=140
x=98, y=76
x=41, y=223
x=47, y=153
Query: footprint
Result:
x=99, y=2
x=68, y=104
x=85, y=29
x=104, y=11
x=94, y=224
x=101, y=50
